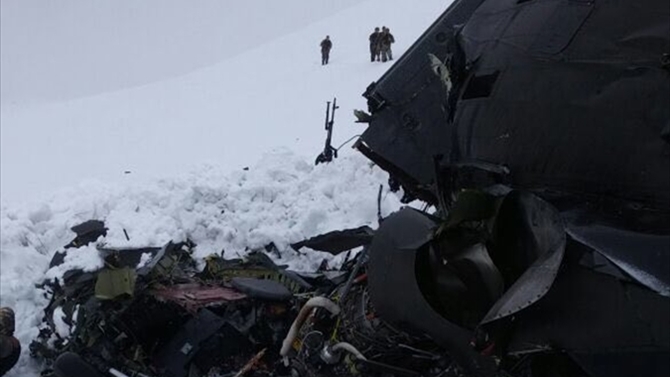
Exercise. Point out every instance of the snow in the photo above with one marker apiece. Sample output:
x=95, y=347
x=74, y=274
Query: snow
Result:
x=146, y=114
x=62, y=329
x=227, y=113
x=144, y=260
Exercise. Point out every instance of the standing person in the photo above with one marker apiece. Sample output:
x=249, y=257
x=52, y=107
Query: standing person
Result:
x=10, y=348
x=390, y=40
x=374, y=45
x=326, y=45
x=385, y=41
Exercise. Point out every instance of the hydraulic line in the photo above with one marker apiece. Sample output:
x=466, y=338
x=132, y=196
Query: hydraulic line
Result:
x=314, y=302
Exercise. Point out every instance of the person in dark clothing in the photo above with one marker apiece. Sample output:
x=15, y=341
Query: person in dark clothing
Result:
x=385, y=41
x=10, y=348
x=326, y=45
x=374, y=45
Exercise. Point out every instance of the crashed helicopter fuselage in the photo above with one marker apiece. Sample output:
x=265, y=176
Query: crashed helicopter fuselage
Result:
x=540, y=132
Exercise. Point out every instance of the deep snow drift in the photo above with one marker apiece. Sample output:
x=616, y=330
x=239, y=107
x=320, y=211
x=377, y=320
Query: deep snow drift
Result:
x=282, y=200
x=184, y=137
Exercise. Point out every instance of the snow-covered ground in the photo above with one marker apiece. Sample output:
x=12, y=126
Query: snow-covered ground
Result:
x=144, y=114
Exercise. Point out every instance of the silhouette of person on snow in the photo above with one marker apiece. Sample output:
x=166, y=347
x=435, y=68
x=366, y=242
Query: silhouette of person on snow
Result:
x=374, y=45
x=385, y=41
x=326, y=45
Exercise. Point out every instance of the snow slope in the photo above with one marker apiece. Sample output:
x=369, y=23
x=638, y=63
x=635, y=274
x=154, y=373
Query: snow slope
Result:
x=54, y=51
x=185, y=138
x=272, y=95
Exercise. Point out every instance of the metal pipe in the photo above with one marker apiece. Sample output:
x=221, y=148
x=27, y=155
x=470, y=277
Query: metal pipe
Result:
x=314, y=302
x=349, y=348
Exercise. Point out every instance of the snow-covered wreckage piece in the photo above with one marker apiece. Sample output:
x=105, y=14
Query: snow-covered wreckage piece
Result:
x=538, y=130
x=152, y=312
x=338, y=241
x=162, y=317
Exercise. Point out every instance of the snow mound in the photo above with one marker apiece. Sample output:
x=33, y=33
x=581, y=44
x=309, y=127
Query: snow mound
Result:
x=283, y=199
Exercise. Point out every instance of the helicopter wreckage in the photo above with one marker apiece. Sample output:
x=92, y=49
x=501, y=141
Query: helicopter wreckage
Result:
x=538, y=131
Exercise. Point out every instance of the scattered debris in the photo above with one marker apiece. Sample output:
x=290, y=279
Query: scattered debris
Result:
x=150, y=312
x=251, y=364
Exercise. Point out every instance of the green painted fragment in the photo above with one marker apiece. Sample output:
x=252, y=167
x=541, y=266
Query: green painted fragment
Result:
x=113, y=283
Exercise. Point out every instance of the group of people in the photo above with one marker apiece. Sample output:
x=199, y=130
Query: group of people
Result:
x=380, y=46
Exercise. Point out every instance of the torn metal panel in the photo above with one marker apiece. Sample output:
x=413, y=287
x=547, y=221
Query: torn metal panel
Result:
x=263, y=289
x=338, y=241
x=255, y=265
x=194, y=296
x=87, y=232
x=112, y=283
x=180, y=350
x=396, y=292
x=644, y=257
x=529, y=246
x=127, y=257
